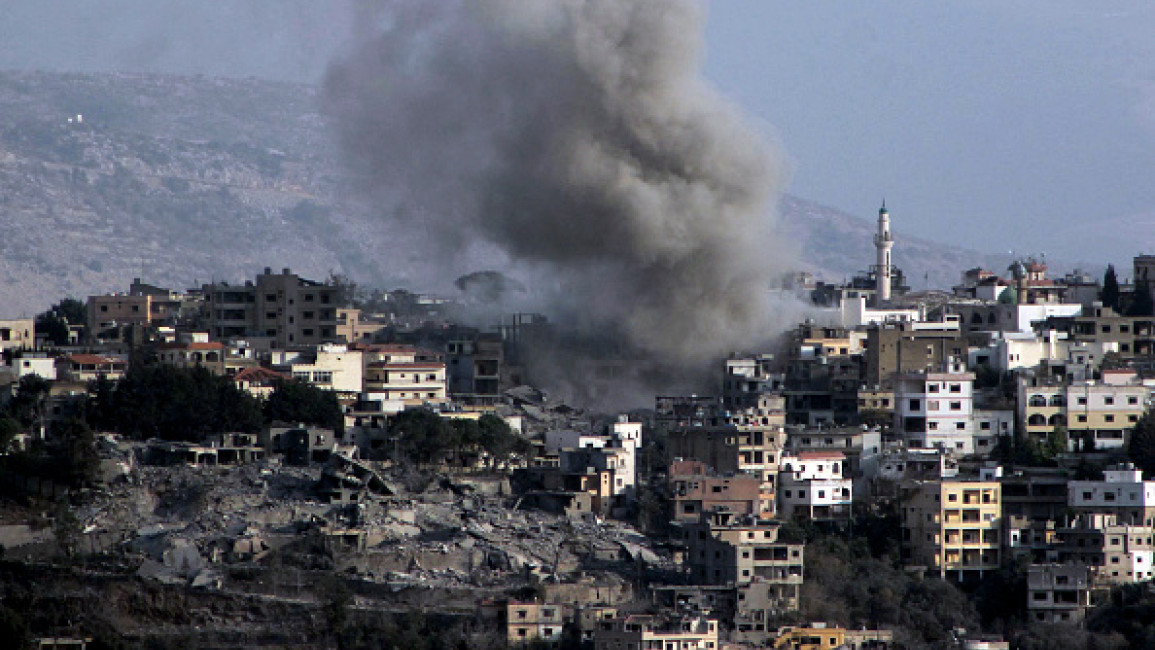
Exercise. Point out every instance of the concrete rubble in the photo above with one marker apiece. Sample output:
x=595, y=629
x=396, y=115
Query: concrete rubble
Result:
x=187, y=524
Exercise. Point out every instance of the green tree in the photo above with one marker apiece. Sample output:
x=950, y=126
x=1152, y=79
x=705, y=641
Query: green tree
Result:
x=179, y=404
x=54, y=323
x=298, y=401
x=422, y=435
x=1141, y=304
x=28, y=404
x=1110, y=293
x=1141, y=449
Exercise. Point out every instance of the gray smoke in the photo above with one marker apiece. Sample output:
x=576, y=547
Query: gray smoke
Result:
x=577, y=141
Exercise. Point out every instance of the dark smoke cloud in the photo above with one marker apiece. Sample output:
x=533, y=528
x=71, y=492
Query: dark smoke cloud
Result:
x=578, y=139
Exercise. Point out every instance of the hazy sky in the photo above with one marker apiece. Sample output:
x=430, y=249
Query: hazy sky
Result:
x=999, y=124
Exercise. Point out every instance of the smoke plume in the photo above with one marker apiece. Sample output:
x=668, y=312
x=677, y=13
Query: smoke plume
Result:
x=576, y=141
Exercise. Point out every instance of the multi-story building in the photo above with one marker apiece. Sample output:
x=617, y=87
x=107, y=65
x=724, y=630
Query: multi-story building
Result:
x=331, y=366
x=730, y=450
x=1118, y=553
x=747, y=378
x=283, y=307
x=904, y=347
x=532, y=623
x=1095, y=414
x=934, y=410
x=1058, y=593
x=696, y=490
x=811, y=485
x=1122, y=493
x=638, y=631
x=405, y=374
x=739, y=551
x=952, y=527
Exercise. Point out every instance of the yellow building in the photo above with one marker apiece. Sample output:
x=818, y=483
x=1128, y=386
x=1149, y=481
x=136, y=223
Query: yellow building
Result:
x=818, y=636
x=952, y=527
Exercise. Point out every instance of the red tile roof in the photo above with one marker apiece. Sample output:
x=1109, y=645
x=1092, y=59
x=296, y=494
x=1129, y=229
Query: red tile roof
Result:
x=94, y=359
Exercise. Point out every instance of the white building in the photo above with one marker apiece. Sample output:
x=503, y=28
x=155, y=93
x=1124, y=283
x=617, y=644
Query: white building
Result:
x=935, y=410
x=813, y=485
x=1122, y=492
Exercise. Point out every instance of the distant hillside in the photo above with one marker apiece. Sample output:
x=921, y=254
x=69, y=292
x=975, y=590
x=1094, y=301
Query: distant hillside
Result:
x=191, y=179
x=836, y=245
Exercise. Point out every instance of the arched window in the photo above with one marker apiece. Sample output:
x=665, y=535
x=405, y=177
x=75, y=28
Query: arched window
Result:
x=1037, y=420
x=1057, y=419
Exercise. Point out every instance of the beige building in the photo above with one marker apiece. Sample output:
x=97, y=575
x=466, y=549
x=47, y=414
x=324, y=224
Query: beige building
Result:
x=17, y=333
x=534, y=623
x=1096, y=414
x=196, y=354
x=330, y=366
x=741, y=551
x=952, y=527
x=287, y=309
x=1116, y=553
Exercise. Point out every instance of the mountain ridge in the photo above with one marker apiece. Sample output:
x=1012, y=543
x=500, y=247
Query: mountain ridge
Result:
x=182, y=180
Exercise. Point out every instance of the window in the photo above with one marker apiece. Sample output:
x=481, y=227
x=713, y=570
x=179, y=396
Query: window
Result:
x=308, y=297
x=915, y=404
x=985, y=426
x=960, y=425
x=1108, y=400
x=1081, y=418
x=1082, y=401
x=956, y=388
x=1109, y=417
x=1132, y=400
x=932, y=388
x=307, y=315
x=956, y=406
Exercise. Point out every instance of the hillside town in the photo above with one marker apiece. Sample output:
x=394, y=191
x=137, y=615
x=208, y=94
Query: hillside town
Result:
x=286, y=441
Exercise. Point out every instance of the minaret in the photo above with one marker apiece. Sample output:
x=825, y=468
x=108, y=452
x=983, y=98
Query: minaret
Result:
x=882, y=243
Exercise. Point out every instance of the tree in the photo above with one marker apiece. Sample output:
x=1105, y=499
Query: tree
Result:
x=1110, y=293
x=1141, y=449
x=27, y=405
x=299, y=401
x=177, y=404
x=54, y=323
x=1141, y=303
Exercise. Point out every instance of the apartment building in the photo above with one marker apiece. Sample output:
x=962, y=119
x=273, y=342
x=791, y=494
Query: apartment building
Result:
x=404, y=373
x=1118, y=553
x=935, y=410
x=1096, y=414
x=910, y=346
x=283, y=307
x=331, y=366
x=952, y=527
x=696, y=489
x=533, y=623
x=637, y=631
x=811, y=485
x=747, y=378
x=739, y=551
x=1122, y=493
x=1058, y=593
